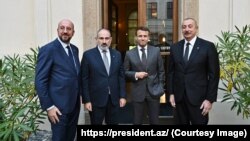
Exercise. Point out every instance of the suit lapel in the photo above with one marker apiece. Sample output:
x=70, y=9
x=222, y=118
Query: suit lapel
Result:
x=75, y=53
x=180, y=48
x=149, y=55
x=112, y=60
x=64, y=55
x=98, y=58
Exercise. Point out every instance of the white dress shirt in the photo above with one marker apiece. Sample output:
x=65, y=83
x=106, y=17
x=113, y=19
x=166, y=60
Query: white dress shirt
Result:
x=191, y=46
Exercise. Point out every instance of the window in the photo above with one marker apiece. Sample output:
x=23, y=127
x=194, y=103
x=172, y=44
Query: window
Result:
x=114, y=26
x=154, y=38
x=169, y=10
x=152, y=10
x=169, y=38
x=132, y=25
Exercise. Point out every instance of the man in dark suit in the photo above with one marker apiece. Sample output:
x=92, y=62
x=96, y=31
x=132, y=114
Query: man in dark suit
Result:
x=193, y=76
x=57, y=82
x=139, y=63
x=103, y=80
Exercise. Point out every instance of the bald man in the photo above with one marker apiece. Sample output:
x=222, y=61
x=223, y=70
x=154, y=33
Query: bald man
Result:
x=57, y=82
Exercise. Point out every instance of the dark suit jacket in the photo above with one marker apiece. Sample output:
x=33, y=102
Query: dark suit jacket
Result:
x=199, y=77
x=96, y=82
x=57, y=81
x=133, y=64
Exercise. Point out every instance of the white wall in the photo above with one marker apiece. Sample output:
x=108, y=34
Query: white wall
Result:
x=216, y=16
x=241, y=10
x=49, y=12
x=222, y=15
x=30, y=23
x=71, y=9
x=221, y=114
x=17, y=26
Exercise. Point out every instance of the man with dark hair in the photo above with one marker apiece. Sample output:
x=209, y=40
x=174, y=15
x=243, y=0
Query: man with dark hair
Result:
x=103, y=80
x=193, y=76
x=139, y=63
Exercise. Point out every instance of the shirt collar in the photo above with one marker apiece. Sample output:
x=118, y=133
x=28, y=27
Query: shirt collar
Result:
x=64, y=45
x=101, y=49
x=139, y=47
x=191, y=41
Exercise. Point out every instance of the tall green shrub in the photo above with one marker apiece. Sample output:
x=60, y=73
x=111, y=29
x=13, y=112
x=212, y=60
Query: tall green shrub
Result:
x=234, y=48
x=20, y=110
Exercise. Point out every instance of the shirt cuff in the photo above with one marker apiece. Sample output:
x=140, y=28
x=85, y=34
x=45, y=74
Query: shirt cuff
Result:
x=51, y=107
x=136, y=77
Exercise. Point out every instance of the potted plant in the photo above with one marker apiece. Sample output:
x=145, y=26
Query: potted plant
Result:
x=20, y=112
x=234, y=54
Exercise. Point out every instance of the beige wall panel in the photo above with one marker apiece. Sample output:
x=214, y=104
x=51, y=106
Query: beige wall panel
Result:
x=17, y=26
x=241, y=11
x=92, y=22
x=30, y=23
x=215, y=16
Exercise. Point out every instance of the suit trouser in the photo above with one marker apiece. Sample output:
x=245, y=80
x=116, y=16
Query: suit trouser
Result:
x=109, y=113
x=65, y=130
x=186, y=113
x=153, y=106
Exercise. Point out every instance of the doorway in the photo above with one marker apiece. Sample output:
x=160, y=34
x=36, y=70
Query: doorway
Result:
x=123, y=17
x=122, y=22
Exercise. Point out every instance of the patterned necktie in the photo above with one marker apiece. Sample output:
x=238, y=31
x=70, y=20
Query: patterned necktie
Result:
x=185, y=57
x=71, y=57
x=105, y=60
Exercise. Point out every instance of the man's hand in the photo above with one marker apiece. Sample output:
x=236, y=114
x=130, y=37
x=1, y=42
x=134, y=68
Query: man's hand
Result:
x=122, y=102
x=88, y=106
x=171, y=100
x=53, y=115
x=206, y=106
x=141, y=75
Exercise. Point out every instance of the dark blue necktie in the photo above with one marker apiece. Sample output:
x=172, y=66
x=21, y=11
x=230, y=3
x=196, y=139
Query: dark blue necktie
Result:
x=71, y=57
x=185, y=57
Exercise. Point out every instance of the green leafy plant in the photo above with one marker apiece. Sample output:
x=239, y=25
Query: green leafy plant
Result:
x=20, y=112
x=234, y=53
